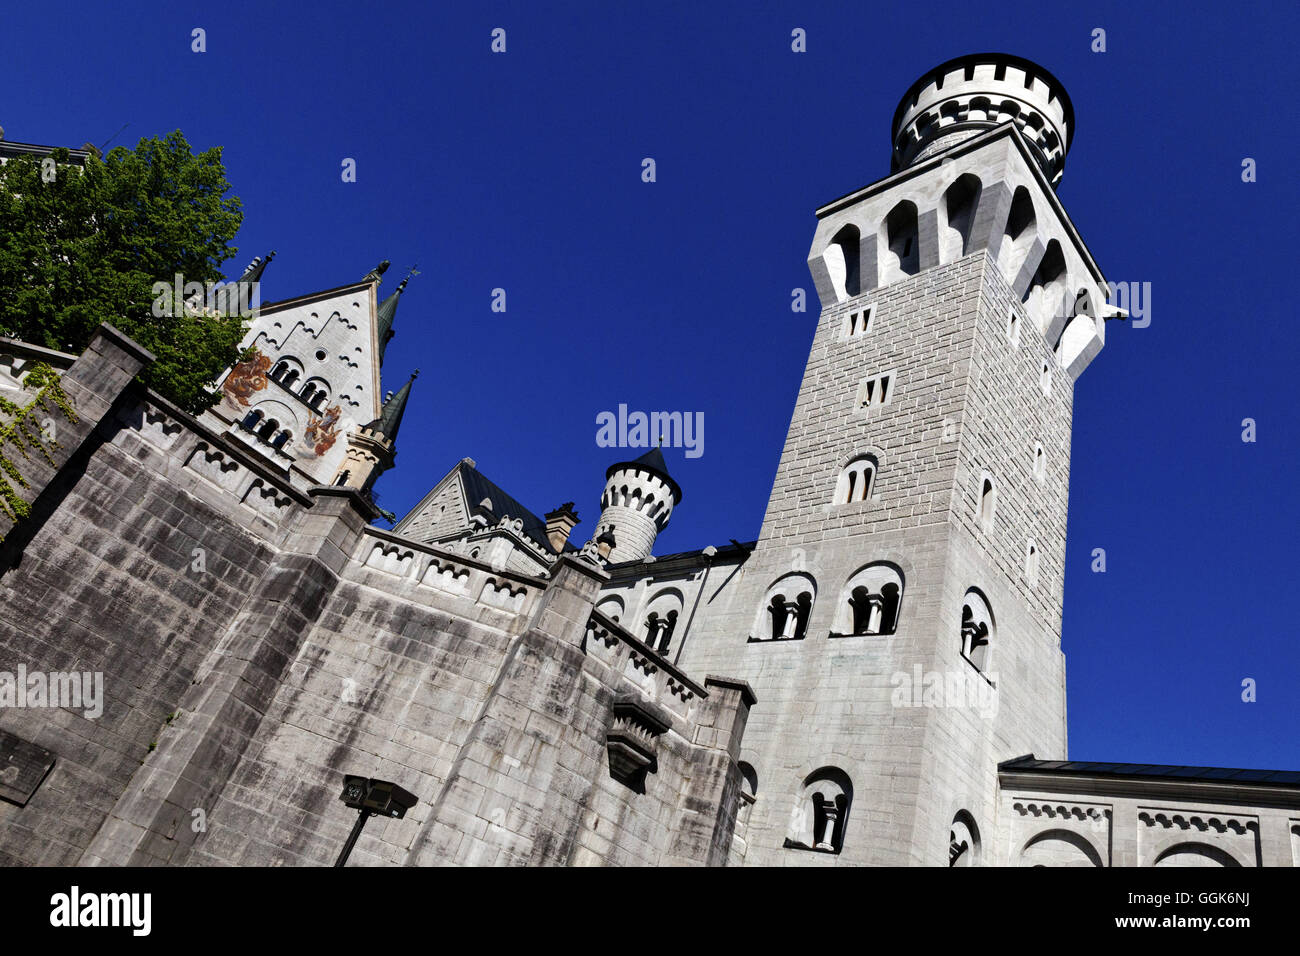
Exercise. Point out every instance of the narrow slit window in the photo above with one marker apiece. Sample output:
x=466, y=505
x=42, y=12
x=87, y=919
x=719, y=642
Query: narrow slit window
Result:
x=876, y=390
x=988, y=498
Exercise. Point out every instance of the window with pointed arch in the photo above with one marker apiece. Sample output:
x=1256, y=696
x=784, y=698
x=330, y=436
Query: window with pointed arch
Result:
x=977, y=630
x=963, y=841
x=820, y=815
x=1031, y=564
x=870, y=602
x=786, y=609
x=857, y=480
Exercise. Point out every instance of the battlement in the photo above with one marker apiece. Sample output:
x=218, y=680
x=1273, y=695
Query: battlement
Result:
x=967, y=95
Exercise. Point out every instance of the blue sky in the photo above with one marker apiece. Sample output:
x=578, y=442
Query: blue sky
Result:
x=522, y=171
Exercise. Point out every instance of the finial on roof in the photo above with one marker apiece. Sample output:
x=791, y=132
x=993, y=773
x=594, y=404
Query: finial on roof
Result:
x=374, y=274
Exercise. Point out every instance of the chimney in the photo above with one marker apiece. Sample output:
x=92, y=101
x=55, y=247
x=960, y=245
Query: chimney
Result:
x=559, y=523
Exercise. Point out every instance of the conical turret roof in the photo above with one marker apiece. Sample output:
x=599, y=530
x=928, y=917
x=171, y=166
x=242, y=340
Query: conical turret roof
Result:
x=390, y=416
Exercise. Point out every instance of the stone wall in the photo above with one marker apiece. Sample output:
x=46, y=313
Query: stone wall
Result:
x=257, y=642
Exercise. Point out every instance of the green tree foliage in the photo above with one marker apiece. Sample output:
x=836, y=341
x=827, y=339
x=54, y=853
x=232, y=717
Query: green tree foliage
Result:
x=79, y=247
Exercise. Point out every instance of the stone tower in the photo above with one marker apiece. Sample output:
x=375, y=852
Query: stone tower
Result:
x=637, y=504
x=900, y=615
x=371, y=448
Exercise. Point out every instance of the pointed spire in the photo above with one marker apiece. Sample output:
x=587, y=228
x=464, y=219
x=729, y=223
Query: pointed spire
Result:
x=390, y=417
x=255, y=268
x=387, y=312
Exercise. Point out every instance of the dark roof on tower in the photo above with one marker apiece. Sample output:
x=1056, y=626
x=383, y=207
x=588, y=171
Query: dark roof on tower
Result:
x=653, y=462
x=387, y=312
x=390, y=416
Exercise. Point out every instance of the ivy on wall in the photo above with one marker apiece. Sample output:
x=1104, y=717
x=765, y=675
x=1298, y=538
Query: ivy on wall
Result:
x=24, y=433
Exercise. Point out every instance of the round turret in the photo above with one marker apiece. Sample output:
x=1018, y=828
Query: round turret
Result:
x=636, y=505
x=966, y=96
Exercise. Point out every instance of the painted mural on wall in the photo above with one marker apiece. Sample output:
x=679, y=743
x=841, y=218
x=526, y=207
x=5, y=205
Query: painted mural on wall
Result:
x=245, y=379
x=322, y=431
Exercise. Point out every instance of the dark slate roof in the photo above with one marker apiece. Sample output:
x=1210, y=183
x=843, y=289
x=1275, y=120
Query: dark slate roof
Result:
x=11, y=150
x=388, y=312
x=724, y=553
x=390, y=416
x=255, y=268
x=1275, y=778
x=653, y=462
x=478, y=486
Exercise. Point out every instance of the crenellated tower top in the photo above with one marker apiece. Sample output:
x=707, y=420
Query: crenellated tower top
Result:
x=970, y=94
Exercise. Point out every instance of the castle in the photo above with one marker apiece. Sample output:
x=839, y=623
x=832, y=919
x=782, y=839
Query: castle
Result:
x=876, y=680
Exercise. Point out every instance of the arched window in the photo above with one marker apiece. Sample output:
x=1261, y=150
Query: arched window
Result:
x=958, y=206
x=1018, y=235
x=1031, y=564
x=870, y=602
x=963, y=841
x=1045, y=379
x=251, y=419
x=987, y=502
x=977, y=629
x=856, y=481
x=315, y=392
x=286, y=371
x=900, y=257
x=660, y=620
x=659, y=630
x=1046, y=296
x=786, y=609
x=611, y=607
x=1013, y=328
x=820, y=816
x=268, y=429
x=1040, y=461
x=842, y=262
x=282, y=439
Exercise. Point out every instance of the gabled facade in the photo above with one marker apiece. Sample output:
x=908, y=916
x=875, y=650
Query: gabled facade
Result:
x=313, y=376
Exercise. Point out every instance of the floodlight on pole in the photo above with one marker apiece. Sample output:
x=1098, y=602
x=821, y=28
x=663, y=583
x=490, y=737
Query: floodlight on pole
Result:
x=371, y=797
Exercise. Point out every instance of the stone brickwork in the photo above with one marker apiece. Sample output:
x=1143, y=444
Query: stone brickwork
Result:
x=899, y=616
x=257, y=642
